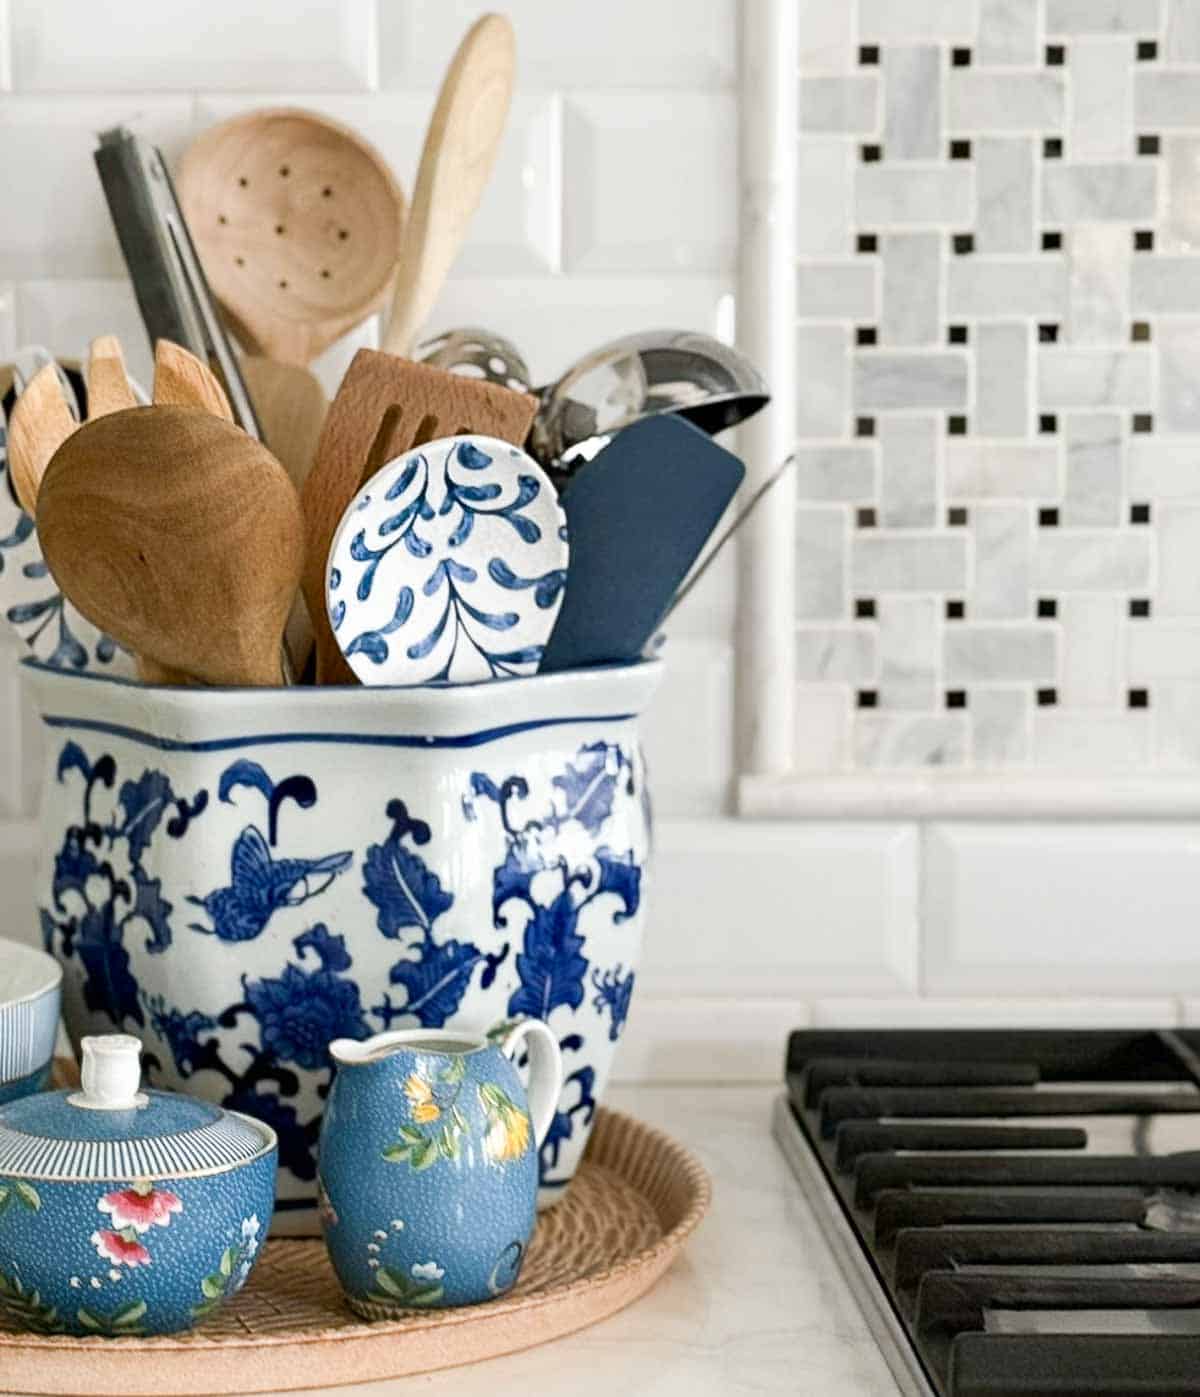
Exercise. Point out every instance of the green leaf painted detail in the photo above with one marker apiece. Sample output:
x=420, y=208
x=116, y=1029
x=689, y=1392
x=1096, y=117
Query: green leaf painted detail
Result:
x=123, y=1321
x=27, y=1307
x=393, y=1285
x=27, y=1194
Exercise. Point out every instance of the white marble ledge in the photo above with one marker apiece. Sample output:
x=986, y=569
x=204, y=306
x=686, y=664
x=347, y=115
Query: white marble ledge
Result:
x=915, y=795
x=755, y=1304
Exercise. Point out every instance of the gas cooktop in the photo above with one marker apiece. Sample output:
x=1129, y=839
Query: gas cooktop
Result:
x=1017, y=1212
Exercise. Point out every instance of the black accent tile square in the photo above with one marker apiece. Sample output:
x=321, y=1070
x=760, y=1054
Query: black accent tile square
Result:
x=1139, y=698
x=864, y=608
x=960, y=150
x=960, y=58
x=1148, y=145
x=1147, y=50
x=1139, y=513
x=956, y=698
x=1048, y=517
x=1047, y=424
x=866, y=242
x=868, y=55
x=1052, y=148
x=867, y=698
x=1139, y=607
x=1143, y=422
x=956, y=516
x=1052, y=240
x=1139, y=332
x=1143, y=240
x=956, y=425
x=963, y=243
x=870, y=154
x=864, y=426
x=1047, y=334
x=1047, y=698
x=866, y=518
x=1047, y=608
x=866, y=334
x=957, y=334
x=955, y=610
x=1056, y=55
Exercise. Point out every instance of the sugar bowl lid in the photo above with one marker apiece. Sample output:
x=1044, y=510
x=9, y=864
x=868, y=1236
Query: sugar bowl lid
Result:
x=111, y=1129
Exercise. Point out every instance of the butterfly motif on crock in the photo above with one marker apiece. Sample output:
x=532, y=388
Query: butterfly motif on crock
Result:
x=100, y=890
x=454, y=591
x=556, y=876
x=410, y=901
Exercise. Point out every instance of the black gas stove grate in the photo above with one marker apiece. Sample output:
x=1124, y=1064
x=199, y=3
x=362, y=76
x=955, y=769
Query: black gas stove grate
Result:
x=963, y=1222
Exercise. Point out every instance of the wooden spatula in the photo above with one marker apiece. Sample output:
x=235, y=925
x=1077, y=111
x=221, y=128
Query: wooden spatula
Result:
x=384, y=407
x=456, y=162
x=41, y=421
x=182, y=380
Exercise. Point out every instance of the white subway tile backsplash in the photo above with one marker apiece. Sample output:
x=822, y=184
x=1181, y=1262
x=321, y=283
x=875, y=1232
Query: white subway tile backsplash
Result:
x=908, y=448
x=1101, y=98
x=1003, y=546
x=823, y=367
x=1164, y=467
x=1165, y=99
x=844, y=106
x=1005, y=194
x=687, y=729
x=888, y=196
x=978, y=100
x=978, y=470
x=1099, y=287
x=175, y=45
x=1091, y=560
x=68, y=315
x=1130, y=891
x=1000, y=719
x=838, y=472
x=992, y=654
x=1178, y=387
x=704, y=1039
x=1092, y=659
x=1164, y=650
x=1094, y=493
x=831, y=290
x=1121, y=193
x=908, y=660
x=1002, y=382
x=912, y=276
x=1177, y=589
x=647, y=181
x=907, y=562
x=912, y=380
x=853, y=928
x=824, y=196
x=1140, y=17
x=820, y=564
x=912, y=128
x=1099, y=378
x=1181, y=222
x=995, y=286
x=1166, y=285
x=1008, y=32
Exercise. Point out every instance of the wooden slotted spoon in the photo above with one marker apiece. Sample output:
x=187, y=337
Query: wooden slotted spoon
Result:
x=180, y=536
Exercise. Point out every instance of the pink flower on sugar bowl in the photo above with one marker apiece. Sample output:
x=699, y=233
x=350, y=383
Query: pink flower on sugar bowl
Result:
x=121, y=1248
x=140, y=1207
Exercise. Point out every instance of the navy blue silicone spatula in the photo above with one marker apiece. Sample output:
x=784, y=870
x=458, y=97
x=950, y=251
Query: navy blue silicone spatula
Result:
x=638, y=516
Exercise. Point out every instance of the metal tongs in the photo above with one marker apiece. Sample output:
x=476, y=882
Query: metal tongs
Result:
x=172, y=292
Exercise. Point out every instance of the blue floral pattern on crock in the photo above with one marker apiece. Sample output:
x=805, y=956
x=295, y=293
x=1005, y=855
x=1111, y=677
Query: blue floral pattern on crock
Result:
x=438, y=506
x=553, y=873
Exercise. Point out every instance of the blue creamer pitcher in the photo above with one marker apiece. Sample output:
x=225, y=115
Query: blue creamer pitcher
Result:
x=428, y=1171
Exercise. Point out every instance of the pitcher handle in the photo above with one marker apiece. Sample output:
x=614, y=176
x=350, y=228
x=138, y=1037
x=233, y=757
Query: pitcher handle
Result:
x=545, y=1071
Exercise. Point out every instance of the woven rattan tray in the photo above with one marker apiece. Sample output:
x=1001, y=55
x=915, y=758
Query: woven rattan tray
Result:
x=635, y=1199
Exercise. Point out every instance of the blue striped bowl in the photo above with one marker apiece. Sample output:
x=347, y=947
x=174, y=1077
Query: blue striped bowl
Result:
x=30, y=995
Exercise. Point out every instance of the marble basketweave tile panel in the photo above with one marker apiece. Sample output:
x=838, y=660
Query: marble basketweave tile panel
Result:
x=998, y=263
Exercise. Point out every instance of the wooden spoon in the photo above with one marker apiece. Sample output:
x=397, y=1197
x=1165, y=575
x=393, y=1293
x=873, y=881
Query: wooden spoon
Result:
x=108, y=387
x=41, y=421
x=298, y=222
x=180, y=536
x=182, y=380
x=460, y=150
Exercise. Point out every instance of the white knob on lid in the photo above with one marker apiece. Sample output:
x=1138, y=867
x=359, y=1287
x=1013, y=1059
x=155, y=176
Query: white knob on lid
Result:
x=111, y=1074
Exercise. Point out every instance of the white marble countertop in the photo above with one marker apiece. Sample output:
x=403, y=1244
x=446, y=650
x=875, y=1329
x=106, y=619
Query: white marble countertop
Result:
x=755, y=1303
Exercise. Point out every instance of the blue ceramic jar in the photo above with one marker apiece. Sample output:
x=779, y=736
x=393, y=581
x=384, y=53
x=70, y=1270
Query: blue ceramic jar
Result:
x=428, y=1164
x=125, y=1212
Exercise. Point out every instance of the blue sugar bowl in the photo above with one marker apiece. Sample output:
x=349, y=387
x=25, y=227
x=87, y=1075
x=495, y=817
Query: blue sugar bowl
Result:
x=428, y=1174
x=127, y=1212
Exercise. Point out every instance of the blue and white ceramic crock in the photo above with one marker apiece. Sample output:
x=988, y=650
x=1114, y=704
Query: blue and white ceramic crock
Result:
x=240, y=876
x=428, y=1171
x=30, y=995
x=125, y=1212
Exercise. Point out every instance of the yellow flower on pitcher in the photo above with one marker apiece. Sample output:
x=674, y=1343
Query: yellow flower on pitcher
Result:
x=508, y=1126
x=420, y=1097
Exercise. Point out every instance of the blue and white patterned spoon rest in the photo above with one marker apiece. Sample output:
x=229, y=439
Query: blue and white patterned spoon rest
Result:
x=448, y=566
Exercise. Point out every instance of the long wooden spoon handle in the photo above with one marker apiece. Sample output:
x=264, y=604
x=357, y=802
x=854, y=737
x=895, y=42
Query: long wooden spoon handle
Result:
x=460, y=150
x=108, y=387
x=41, y=421
x=181, y=380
